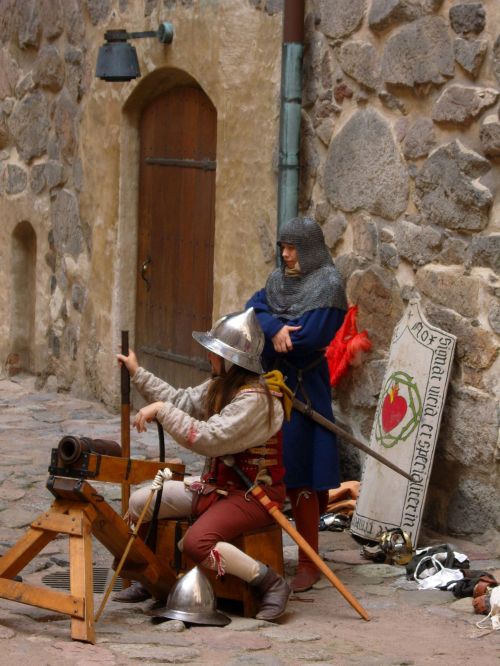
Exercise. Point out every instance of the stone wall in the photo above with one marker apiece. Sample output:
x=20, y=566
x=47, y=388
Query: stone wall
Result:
x=69, y=168
x=44, y=75
x=400, y=163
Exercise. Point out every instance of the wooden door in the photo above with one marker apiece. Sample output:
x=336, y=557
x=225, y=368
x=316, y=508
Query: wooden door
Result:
x=176, y=234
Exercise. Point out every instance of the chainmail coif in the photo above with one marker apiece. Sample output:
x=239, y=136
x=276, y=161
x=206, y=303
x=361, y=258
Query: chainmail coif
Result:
x=318, y=285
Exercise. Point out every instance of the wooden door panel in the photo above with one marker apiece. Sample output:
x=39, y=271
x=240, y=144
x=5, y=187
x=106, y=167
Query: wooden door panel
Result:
x=176, y=232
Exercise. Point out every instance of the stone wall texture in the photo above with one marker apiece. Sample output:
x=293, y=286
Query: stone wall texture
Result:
x=400, y=153
x=407, y=158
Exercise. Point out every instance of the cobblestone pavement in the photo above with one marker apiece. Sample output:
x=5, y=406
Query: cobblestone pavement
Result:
x=407, y=626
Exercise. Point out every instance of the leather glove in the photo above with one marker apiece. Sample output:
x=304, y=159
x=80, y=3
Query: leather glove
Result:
x=161, y=476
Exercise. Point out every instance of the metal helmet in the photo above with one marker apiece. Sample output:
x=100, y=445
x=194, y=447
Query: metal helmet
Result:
x=192, y=600
x=238, y=338
x=396, y=545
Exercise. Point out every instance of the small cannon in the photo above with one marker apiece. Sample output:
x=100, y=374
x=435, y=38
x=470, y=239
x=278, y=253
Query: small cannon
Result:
x=73, y=456
x=70, y=448
x=101, y=460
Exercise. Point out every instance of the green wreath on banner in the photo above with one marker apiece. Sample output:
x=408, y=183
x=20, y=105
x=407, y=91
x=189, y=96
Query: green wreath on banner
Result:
x=398, y=415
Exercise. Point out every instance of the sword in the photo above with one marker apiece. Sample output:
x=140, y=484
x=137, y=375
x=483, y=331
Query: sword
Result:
x=333, y=427
x=281, y=519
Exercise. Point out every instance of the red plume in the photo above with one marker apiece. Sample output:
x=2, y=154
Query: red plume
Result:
x=346, y=347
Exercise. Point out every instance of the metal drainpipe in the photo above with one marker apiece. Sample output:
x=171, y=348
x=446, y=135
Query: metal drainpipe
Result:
x=291, y=101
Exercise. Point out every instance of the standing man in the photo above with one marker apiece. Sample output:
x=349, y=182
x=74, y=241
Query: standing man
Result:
x=300, y=309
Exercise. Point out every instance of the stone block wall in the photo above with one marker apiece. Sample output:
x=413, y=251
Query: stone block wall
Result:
x=45, y=71
x=400, y=165
x=68, y=169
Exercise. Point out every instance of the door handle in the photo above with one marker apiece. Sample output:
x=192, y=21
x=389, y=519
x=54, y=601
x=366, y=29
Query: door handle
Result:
x=144, y=268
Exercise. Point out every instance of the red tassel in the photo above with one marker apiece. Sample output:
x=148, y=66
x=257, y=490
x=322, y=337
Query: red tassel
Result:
x=217, y=562
x=346, y=347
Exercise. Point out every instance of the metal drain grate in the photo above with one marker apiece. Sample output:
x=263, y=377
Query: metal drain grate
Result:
x=101, y=579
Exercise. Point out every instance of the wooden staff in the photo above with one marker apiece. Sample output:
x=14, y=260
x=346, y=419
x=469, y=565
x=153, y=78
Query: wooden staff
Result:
x=281, y=519
x=125, y=418
x=333, y=427
x=124, y=556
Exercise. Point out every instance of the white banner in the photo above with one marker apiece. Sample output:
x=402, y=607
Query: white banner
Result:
x=406, y=427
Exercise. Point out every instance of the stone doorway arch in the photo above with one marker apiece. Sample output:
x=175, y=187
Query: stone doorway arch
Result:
x=168, y=162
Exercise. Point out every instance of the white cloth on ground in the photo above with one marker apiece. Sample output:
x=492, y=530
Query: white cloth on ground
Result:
x=441, y=579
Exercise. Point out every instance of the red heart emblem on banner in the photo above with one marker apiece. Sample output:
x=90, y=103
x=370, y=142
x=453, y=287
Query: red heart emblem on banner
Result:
x=394, y=409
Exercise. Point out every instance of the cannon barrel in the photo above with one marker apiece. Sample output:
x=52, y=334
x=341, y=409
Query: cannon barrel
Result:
x=70, y=448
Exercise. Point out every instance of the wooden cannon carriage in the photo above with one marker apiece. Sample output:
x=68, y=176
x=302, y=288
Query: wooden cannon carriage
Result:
x=80, y=512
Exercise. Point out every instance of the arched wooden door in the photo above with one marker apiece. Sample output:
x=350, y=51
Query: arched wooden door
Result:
x=176, y=233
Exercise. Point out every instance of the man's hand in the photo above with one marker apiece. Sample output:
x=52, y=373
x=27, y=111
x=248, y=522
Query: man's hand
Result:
x=130, y=361
x=146, y=415
x=282, y=341
x=161, y=476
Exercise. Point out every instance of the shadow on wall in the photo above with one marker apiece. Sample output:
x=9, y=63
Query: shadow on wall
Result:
x=23, y=296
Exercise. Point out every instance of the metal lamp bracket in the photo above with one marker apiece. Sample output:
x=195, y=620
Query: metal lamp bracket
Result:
x=165, y=34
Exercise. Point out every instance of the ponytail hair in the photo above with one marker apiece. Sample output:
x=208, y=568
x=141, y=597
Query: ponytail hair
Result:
x=223, y=389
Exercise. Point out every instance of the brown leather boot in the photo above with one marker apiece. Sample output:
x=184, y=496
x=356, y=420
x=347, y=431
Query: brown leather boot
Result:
x=323, y=499
x=305, y=512
x=306, y=575
x=274, y=592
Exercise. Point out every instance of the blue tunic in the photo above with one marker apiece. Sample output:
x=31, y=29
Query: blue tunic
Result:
x=310, y=451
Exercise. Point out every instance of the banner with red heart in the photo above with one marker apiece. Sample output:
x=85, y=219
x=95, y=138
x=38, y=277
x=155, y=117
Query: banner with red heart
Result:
x=405, y=428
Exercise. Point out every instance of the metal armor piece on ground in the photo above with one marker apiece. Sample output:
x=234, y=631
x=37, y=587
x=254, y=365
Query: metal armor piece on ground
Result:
x=236, y=337
x=192, y=600
x=318, y=285
x=406, y=428
x=394, y=547
x=397, y=546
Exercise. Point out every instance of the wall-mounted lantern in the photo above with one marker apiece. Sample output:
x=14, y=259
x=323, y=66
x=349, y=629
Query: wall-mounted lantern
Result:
x=117, y=59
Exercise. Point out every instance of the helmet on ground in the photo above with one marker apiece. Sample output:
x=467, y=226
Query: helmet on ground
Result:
x=192, y=600
x=238, y=338
x=396, y=545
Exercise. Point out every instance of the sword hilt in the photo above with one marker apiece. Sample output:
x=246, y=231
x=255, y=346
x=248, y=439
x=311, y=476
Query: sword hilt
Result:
x=230, y=462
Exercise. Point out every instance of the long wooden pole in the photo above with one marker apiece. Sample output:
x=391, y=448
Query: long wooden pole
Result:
x=281, y=519
x=125, y=418
x=124, y=556
x=333, y=427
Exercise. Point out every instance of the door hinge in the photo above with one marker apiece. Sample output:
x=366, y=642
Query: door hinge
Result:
x=206, y=165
